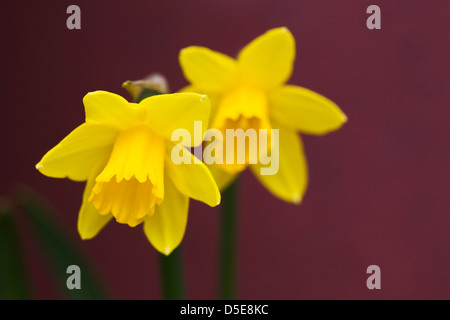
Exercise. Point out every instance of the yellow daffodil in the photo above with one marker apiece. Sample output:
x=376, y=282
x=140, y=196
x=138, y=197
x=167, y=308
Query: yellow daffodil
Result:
x=250, y=93
x=123, y=151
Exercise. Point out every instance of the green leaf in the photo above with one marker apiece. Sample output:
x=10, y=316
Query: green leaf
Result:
x=60, y=250
x=13, y=280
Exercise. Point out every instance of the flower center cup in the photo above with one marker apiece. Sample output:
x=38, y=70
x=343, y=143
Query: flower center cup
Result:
x=132, y=182
x=242, y=117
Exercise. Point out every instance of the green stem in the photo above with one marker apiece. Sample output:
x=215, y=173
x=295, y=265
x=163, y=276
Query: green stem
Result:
x=172, y=276
x=228, y=249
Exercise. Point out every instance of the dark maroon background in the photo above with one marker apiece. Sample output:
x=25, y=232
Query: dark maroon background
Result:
x=379, y=187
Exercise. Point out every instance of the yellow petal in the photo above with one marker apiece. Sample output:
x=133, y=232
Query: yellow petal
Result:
x=112, y=110
x=213, y=97
x=305, y=110
x=291, y=180
x=165, y=228
x=90, y=222
x=268, y=60
x=77, y=153
x=169, y=112
x=223, y=178
x=192, y=177
x=207, y=69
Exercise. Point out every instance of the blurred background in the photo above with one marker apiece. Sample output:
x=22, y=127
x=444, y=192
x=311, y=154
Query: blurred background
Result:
x=379, y=187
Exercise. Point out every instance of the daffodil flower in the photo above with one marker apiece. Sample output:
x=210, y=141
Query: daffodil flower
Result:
x=123, y=152
x=250, y=92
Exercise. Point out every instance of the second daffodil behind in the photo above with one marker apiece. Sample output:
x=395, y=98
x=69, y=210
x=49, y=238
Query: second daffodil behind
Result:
x=123, y=151
x=250, y=93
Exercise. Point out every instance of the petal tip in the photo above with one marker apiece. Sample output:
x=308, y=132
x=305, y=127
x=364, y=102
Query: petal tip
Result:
x=84, y=233
x=167, y=251
x=185, y=51
x=296, y=198
x=89, y=95
x=344, y=118
x=85, y=237
x=218, y=200
x=282, y=31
